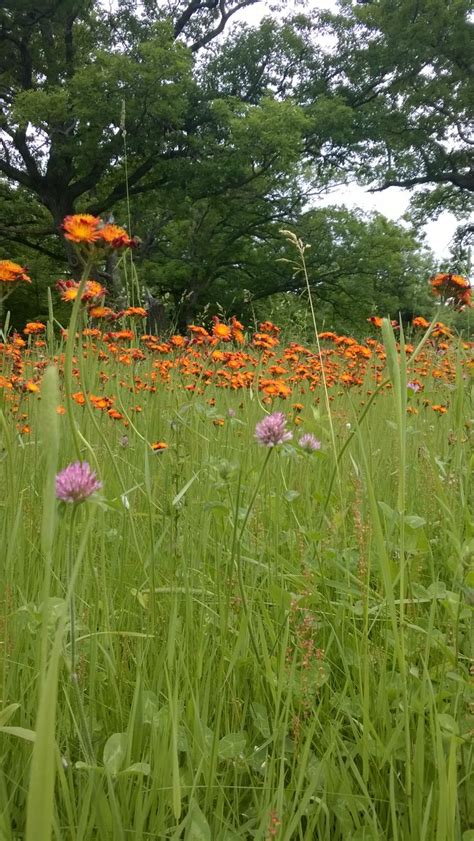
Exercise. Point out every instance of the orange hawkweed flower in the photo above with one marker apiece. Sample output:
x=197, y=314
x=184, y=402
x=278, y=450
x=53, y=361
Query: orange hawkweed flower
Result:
x=176, y=341
x=93, y=291
x=103, y=403
x=328, y=335
x=115, y=236
x=264, y=340
x=81, y=227
x=33, y=327
x=157, y=446
x=221, y=331
x=269, y=327
x=12, y=272
x=114, y=414
x=421, y=322
x=101, y=312
x=138, y=312
x=452, y=288
x=441, y=329
x=31, y=386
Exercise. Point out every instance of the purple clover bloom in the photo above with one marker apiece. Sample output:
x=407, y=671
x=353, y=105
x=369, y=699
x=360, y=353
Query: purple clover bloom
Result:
x=413, y=387
x=309, y=443
x=272, y=431
x=76, y=483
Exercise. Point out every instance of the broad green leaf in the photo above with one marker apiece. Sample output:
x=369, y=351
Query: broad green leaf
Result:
x=414, y=521
x=114, y=752
x=21, y=732
x=140, y=768
x=448, y=723
x=260, y=719
x=232, y=746
x=197, y=827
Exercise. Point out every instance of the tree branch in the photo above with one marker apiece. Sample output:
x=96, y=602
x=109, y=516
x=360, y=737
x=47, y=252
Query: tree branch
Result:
x=41, y=249
x=225, y=15
x=196, y=6
x=120, y=190
x=463, y=181
x=16, y=174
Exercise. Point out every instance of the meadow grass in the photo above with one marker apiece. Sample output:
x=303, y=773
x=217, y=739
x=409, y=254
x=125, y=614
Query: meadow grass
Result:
x=265, y=646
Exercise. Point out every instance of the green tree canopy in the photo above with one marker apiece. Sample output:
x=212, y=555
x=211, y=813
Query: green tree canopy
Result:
x=405, y=69
x=213, y=143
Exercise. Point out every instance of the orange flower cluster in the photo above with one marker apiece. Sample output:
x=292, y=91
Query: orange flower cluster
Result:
x=92, y=294
x=420, y=322
x=82, y=228
x=33, y=328
x=130, y=364
x=11, y=274
x=452, y=288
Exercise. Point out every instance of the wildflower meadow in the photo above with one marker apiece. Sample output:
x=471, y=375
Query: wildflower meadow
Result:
x=237, y=583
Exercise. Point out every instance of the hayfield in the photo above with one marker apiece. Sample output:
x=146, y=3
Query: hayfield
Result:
x=231, y=640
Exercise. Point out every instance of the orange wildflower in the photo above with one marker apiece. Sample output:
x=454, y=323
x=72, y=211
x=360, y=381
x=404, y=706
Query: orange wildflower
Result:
x=93, y=291
x=116, y=237
x=100, y=402
x=79, y=398
x=221, y=331
x=176, y=341
x=119, y=336
x=81, y=227
x=441, y=329
x=138, y=312
x=33, y=327
x=112, y=413
x=421, y=322
x=452, y=288
x=196, y=330
x=328, y=335
x=157, y=446
x=100, y=312
x=12, y=272
x=269, y=327
x=264, y=340
x=31, y=386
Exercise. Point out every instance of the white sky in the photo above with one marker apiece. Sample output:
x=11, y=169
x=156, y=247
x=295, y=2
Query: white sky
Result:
x=393, y=202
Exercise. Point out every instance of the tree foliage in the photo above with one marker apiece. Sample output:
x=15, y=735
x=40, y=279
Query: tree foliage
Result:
x=405, y=68
x=212, y=138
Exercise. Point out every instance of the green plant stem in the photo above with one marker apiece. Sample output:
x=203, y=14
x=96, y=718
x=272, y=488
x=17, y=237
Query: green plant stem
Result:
x=71, y=575
x=236, y=553
x=69, y=354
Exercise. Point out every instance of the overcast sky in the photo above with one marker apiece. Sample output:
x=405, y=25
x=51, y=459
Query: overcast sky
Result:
x=392, y=202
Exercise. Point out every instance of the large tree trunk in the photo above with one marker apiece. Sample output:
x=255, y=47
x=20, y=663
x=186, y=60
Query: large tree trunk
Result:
x=60, y=206
x=186, y=305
